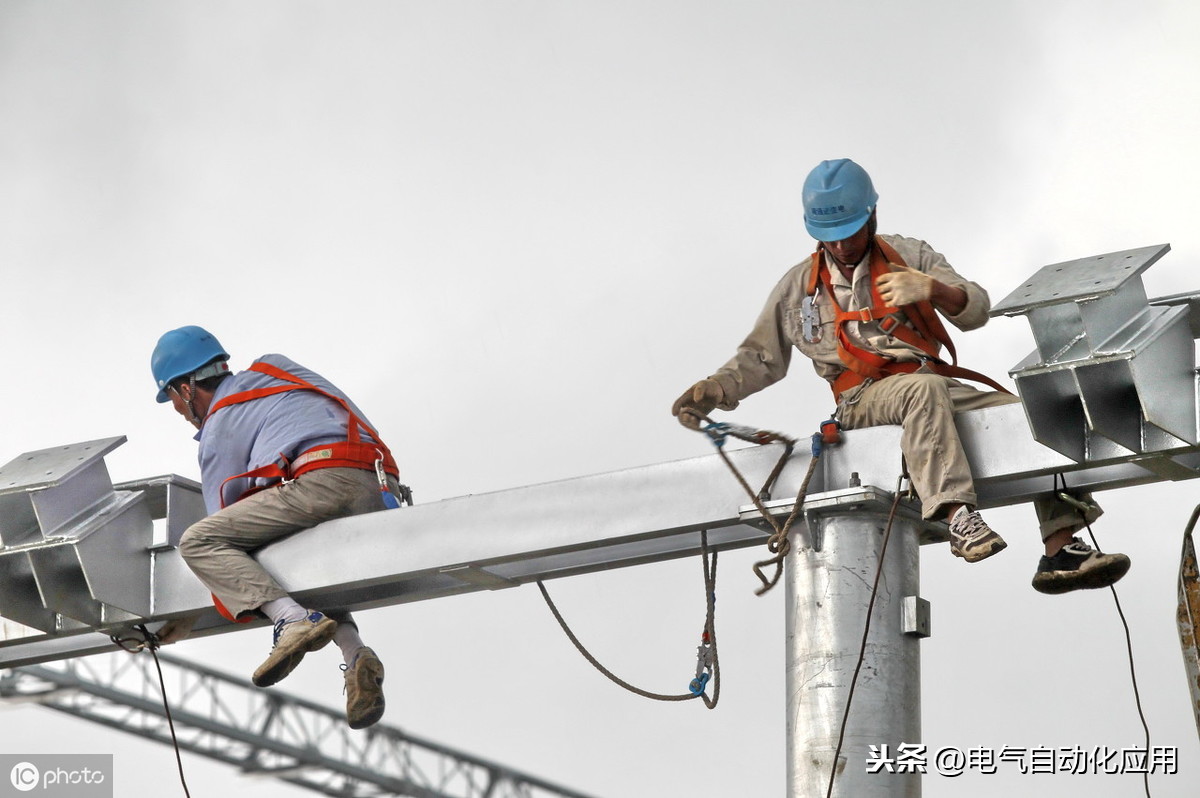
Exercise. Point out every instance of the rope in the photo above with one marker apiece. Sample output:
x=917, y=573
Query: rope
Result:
x=148, y=641
x=710, y=635
x=1137, y=696
x=778, y=543
x=862, y=651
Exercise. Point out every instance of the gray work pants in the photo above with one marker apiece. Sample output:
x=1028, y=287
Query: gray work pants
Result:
x=218, y=548
x=924, y=404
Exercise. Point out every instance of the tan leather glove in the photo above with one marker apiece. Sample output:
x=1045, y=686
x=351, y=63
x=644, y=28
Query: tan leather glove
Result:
x=905, y=286
x=701, y=397
x=175, y=630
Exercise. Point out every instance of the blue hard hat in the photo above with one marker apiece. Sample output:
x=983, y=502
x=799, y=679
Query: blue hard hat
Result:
x=182, y=352
x=838, y=199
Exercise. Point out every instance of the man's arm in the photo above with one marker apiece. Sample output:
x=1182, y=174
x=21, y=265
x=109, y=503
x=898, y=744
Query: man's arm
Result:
x=963, y=302
x=907, y=285
x=948, y=299
x=761, y=360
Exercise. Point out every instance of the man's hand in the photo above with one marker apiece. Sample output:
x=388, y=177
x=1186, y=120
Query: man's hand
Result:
x=905, y=286
x=175, y=630
x=700, y=398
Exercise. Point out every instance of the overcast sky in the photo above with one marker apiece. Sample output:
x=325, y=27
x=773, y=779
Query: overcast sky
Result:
x=514, y=232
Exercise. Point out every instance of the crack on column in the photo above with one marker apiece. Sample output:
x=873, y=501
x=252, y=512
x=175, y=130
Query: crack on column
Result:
x=804, y=683
x=850, y=570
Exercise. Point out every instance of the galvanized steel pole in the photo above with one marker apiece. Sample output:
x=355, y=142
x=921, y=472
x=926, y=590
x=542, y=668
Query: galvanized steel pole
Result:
x=828, y=591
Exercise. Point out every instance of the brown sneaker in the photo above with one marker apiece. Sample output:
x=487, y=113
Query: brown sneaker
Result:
x=971, y=538
x=364, y=689
x=294, y=639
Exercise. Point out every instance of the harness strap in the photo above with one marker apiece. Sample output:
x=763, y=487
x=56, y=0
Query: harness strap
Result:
x=848, y=379
x=916, y=324
x=351, y=453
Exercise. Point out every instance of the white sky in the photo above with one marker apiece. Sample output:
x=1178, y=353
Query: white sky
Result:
x=514, y=232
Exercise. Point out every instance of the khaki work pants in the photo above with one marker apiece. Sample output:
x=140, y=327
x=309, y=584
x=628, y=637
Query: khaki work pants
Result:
x=218, y=548
x=924, y=404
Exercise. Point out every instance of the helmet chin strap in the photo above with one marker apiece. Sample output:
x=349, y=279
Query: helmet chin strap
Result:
x=191, y=416
x=211, y=370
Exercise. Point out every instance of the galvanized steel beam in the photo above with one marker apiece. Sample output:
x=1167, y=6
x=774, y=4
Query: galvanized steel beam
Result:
x=511, y=537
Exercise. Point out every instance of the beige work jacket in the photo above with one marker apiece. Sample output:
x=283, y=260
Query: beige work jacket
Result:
x=763, y=358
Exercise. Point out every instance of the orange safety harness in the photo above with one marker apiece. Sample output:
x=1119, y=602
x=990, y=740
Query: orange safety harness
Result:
x=350, y=453
x=916, y=324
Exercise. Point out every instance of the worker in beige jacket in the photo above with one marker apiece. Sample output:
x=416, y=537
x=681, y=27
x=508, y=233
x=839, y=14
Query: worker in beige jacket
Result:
x=865, y=310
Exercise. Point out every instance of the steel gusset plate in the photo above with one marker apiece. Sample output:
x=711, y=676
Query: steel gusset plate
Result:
x=96, y=573
x=1136, y=396
x=41, y=492
x=99, y=573
x=20, y=600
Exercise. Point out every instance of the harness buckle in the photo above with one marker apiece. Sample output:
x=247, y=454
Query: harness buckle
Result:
x=285, y=470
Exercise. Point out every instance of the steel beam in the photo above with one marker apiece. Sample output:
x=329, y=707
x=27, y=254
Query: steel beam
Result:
x=496, y=540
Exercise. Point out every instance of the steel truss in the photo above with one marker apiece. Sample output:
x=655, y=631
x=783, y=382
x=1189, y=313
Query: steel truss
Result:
x=263, y=732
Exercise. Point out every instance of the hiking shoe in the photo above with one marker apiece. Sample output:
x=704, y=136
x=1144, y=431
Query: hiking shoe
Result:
x=1077, y=566
x=294, y=639
x=971, y=538
x=364, y=689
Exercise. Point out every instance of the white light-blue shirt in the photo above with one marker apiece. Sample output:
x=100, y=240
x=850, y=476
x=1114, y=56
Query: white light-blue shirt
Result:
x=245, y=436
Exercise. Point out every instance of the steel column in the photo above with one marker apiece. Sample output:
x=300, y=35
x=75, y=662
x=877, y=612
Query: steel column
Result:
x=829, y=584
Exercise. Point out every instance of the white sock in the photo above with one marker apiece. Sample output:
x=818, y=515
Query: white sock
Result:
x=348, y=640
x=284, y=609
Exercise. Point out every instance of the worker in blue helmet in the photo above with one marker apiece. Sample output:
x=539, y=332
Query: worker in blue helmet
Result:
x=281, y=449
x=867, y=309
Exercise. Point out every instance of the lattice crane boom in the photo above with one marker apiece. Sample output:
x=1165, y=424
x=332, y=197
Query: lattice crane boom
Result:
x=264, y=732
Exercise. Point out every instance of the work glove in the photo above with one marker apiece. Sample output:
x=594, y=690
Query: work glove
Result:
x=702, y=398
x=905, y=286
x=175, y=630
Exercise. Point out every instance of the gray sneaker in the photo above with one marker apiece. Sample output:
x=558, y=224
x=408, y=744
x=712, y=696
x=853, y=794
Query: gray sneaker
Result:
x=294, y=639
x=1077, y=566
x=364, y=689
x=971, y=538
